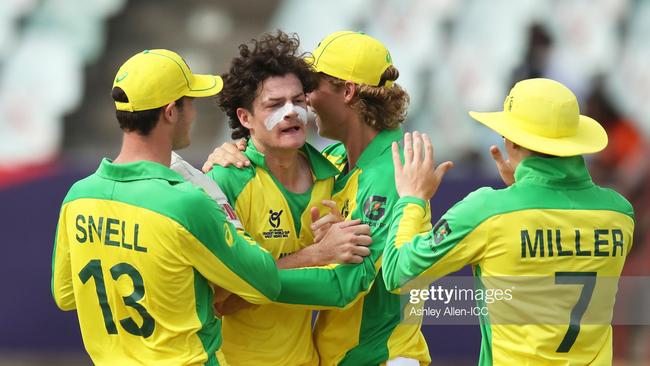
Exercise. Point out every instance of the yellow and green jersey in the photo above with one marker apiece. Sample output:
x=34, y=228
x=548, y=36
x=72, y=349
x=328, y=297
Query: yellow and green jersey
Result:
x=135, y=252
x=367, y=331
x=279, y=220
x=559, y=238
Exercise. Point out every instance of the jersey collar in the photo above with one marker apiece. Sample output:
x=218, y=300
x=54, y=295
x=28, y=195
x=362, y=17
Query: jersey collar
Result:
x=139, y=170
x=554, y=172
x=378, y=145
x=320, y=166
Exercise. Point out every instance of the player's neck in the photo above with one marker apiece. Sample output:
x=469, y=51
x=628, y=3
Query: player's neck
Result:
x=359, y=135
x=135, y=147
x=288, y=166
x=293, y=173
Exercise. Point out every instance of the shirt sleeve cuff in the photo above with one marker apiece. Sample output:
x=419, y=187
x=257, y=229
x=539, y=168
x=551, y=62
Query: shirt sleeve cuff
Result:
x=414, y=200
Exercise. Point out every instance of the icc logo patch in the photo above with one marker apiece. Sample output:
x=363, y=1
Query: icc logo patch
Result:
x=277, y=232
x=274, y=218
x=440, y=231
x=374, y=207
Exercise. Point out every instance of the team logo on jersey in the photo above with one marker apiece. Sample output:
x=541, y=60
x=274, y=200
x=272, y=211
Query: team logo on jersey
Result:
x=277, y=231
x=274, y=218
x=440, y=231
x=374, y=207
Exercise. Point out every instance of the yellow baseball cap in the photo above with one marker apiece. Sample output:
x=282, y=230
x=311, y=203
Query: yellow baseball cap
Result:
x=543, y=115
x=353, y=56
x=154, y=78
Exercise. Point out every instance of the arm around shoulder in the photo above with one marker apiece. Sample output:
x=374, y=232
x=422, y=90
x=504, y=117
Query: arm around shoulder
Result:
x=224, y=257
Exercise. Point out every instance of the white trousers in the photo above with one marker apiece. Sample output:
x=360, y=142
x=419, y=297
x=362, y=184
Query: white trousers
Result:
x=401, y=361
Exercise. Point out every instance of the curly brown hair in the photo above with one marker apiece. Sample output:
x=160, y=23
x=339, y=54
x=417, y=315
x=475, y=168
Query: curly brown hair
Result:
x=270, y=55
x=381, y=107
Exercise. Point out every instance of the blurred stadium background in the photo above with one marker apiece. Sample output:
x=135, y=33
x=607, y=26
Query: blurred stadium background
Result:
x=58, y=59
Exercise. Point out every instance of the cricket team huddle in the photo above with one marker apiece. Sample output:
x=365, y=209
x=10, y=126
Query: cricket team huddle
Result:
x=166, y=264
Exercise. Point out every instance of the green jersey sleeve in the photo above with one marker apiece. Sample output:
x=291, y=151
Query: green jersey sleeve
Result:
x=341, y=285
x=456, y=240
x=213, y=245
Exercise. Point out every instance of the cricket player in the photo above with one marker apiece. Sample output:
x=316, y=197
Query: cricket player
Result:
x=554, y=234
x=357, y=103
x=137, y=247
x=265, y=101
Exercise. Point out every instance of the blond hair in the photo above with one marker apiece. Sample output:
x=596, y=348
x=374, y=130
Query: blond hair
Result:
x=381, y=107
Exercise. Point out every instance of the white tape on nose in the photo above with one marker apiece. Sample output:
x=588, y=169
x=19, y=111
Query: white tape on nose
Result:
x=279, y=114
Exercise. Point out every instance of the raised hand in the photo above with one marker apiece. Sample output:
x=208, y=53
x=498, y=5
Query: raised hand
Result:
x=506, y=171
x=417, y=176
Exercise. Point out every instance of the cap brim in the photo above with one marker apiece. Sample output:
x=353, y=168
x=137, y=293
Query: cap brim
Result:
x=590, y=136
x=205, y=86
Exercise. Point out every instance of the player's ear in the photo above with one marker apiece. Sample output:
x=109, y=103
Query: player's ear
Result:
x=244, y=117
x=518, y=147
x=349, y=91
x=170, y=112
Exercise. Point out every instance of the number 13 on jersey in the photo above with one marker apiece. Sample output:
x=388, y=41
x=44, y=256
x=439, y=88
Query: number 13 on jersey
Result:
x=94, y=270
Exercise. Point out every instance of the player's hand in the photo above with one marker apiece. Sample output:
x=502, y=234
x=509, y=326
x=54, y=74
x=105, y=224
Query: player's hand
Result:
x=231, y=304
x=343, y=242
x=504, y=167
x=229, y=153
x=320, y=225
x=417, y=177
x=220, y=294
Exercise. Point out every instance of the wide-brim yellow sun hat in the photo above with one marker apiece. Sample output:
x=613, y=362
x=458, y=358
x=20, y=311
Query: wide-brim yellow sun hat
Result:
x=154, y=78
x=542, y=115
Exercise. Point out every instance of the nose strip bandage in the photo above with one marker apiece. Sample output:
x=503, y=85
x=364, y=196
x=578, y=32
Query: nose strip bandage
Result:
x=278, y=115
